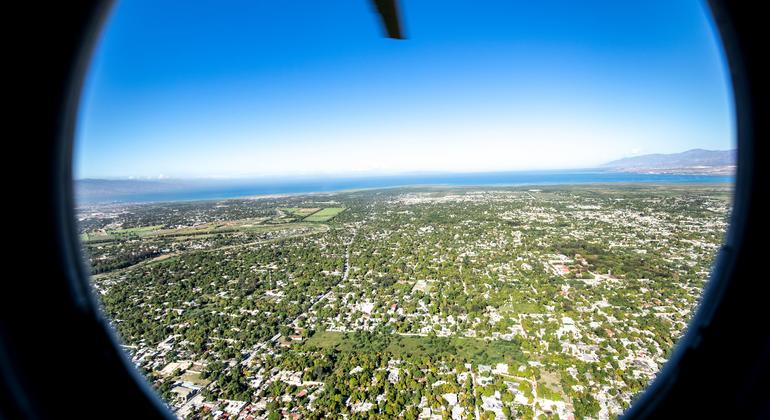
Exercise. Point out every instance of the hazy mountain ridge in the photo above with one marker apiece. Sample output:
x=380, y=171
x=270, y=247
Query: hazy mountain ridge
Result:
x=695, y=161
x=123, y=185
x=87, y=188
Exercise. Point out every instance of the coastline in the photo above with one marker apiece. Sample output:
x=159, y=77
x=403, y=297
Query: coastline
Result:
x=253, y=192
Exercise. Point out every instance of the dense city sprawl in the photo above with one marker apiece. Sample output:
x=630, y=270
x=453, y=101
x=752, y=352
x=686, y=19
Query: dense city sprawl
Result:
x=555, y=301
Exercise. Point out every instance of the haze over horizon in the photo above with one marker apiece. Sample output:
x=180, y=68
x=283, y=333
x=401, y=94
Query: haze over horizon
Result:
x=726, y=159
x=256, y=90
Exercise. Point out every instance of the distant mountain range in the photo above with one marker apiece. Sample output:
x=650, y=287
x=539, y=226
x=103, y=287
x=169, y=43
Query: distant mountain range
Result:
x=691, y=162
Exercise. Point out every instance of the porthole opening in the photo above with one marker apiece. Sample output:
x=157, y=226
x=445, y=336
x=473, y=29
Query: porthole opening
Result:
x=512, y=217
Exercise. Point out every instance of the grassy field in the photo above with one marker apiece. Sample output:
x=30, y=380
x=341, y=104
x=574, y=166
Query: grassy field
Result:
x=301, y=211
x=120, y=233
x=307, y=214
x=202, y=230
x=522, y=308
x=325, y=214
x=468, y=349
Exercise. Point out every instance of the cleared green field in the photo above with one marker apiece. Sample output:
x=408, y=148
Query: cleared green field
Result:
x=120, y=233
x=243, y=225
x=227, y=227
x=301, y=211
x=325, y=214
x=522, y=308
x=462, y=348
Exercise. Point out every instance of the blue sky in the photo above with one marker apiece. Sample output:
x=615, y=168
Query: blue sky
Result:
x=258, y=88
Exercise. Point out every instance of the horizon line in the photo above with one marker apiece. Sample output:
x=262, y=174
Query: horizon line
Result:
x=346, y=175
x=376, y=173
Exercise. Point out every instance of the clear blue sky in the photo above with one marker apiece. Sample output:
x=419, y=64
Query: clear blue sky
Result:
x=251, y=88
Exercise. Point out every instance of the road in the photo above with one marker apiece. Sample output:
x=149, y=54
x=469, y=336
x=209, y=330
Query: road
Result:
x=346, y=265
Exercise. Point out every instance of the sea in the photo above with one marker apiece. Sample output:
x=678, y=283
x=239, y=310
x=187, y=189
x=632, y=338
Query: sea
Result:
x=90, y=192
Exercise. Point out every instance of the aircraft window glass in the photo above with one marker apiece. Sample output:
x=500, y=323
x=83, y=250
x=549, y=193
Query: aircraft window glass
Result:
x=511, y=213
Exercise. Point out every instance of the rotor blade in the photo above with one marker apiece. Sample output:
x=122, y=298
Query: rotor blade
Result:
x=388, y=11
